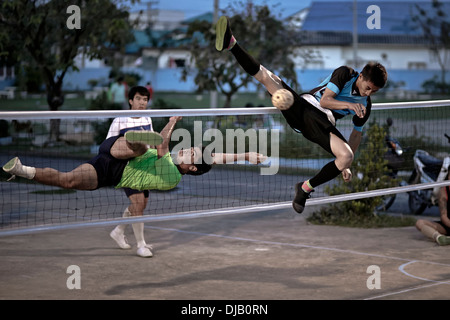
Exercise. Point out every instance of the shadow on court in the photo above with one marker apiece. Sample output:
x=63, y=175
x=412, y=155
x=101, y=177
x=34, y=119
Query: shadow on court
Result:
x=269, y=255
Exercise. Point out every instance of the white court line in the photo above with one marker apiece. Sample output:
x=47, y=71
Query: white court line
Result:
x=400, y=268
x=407, y=290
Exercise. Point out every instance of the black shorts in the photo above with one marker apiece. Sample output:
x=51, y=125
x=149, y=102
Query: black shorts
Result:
x=109, y=169
x=447, y=229
x=311, y=122
x=130, y=192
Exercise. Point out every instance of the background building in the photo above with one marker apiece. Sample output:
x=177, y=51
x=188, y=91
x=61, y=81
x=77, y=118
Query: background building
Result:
x=325, y=28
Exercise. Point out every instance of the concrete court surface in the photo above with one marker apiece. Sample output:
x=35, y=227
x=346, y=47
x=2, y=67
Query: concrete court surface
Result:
x=269, y=255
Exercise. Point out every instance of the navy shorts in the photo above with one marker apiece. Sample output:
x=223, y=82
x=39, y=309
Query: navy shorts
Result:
x=311, y=122
x=447, y=229
x=130, y=192
x=109, y=169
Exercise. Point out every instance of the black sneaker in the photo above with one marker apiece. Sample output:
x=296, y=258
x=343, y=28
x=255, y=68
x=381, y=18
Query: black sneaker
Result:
x=300, y=198
x=223, y=33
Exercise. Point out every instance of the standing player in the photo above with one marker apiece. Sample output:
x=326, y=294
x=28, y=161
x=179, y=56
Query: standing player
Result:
x=138, y=98
x=344, y=92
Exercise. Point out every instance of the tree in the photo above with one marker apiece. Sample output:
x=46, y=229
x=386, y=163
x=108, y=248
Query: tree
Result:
x=435, y=25
x=38, y=34
x=262, y=35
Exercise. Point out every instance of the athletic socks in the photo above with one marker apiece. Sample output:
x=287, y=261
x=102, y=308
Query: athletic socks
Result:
x=247, y=62
x=306, y=186
x=226, y=40
x=430, y=232
x=121, y=227
x=118, y=233
x=143, y=249
x=233, y=41
x=328, y=172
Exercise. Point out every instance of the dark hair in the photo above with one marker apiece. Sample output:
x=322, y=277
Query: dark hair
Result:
x=202, y=168
x=143, y=91
x=376, y=73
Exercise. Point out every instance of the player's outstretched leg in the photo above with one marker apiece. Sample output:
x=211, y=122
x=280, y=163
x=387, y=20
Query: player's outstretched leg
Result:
x=225, y=40
x=16, y=168
x=144, y=137
x=300, y=198
x=118, y=233
x=224, y=35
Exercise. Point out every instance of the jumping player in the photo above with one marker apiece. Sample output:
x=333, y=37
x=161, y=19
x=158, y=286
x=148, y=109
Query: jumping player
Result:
x=344, y=92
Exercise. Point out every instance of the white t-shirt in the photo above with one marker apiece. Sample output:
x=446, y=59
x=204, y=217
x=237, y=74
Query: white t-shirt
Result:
x=121, y=125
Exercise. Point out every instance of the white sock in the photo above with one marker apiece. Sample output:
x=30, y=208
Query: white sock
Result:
x=121, y=227
x=430, y=232
x=138, y=229
x=18, y=169
x=28, y=172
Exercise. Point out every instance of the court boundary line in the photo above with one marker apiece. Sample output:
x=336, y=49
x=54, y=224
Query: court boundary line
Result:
x=400, y=268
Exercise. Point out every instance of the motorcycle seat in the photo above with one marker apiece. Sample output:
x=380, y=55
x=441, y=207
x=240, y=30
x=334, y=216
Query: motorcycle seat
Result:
x=432, y=165
x=430, y=161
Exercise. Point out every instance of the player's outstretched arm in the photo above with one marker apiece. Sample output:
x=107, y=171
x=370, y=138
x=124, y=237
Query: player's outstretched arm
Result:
x=252, y=157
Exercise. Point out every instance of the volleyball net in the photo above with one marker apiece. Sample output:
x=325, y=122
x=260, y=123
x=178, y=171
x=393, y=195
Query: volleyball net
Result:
x=66, y=139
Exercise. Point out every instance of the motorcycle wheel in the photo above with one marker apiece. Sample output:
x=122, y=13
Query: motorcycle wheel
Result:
x=387, y=203
x=415, y=202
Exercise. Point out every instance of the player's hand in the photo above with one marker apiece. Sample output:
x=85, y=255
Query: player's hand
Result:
x=255, y=158
x=359, y=109
x=347, y=175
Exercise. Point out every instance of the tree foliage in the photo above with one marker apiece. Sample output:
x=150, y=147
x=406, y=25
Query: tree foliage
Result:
x=261, y=34
x=435, y=25
x=35, y=34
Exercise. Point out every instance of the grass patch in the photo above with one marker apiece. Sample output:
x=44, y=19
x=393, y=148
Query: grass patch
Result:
x=353, y=220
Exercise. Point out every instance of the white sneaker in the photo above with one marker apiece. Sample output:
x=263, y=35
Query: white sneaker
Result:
x=120, y=239
x=144, y=252
x=15, y=168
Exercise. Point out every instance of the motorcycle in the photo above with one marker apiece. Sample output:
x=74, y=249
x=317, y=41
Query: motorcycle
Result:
x=395, y=161
x=427, y=169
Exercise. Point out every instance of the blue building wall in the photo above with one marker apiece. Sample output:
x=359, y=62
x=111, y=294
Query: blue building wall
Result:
x=170, y=79
x=413, y=79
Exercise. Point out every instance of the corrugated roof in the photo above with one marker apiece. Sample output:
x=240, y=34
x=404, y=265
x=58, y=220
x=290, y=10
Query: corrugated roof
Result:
x=345, y=38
